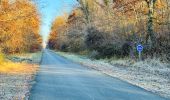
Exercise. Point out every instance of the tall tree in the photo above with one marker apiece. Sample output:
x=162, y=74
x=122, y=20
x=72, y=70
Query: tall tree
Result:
x=150, y=26
x=19, y=22
x=86, y=7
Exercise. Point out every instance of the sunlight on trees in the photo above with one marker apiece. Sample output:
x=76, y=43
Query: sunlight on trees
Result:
x=19, y=27
x=116, y=27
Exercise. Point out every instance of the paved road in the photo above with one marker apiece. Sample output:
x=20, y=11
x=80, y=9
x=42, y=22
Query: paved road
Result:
x=61, y=79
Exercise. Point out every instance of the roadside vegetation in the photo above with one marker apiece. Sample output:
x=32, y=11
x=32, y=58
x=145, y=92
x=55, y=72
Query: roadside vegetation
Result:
x=20, y=48
x=150, y=74
x=19, y=27
x=17, y=75
x=19, y=31
x=104, y=34
x=107, y=28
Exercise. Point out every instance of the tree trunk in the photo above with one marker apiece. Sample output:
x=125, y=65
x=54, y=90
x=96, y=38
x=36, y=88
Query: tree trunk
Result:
x=150, y=25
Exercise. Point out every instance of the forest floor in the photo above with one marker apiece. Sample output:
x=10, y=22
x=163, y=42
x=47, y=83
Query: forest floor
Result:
x=17, y=75
x=150, y=74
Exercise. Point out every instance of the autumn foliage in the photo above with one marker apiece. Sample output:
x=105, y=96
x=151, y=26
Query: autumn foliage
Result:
x=115, y=27
x=65, y=34
x=57, y=24
x=19, y=26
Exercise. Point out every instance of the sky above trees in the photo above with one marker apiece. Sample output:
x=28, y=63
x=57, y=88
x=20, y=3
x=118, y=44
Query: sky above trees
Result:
x=49, y=10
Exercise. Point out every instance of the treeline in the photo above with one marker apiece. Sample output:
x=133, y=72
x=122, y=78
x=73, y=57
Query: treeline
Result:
x=108, y=28
x=19, y=27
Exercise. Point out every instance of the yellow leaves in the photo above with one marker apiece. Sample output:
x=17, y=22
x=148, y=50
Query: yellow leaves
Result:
x=90, y=3
x=160, y=4
x=57, y=25
x=140, y=6
x=59, y=21
x=4, y=4
x=21, y=20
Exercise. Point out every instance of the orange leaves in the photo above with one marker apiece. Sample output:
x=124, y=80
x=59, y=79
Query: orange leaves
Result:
x=161, y=4
x=20, y=26
x=127, y=5
x=56, y=26
x=4, y=4
x=59, y=21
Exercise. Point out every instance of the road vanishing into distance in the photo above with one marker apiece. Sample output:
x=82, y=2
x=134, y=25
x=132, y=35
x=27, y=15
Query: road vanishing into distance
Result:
x=62, y=79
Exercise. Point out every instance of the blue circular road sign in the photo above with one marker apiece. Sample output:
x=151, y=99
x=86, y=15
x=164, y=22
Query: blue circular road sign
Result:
x=139, y=48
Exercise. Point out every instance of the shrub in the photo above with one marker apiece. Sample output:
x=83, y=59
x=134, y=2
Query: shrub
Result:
x=163, y=47
x=94, y=38
x=126, y=49
x=110, y=50
x=76, y=42
x=64, y=47
x=102, y=43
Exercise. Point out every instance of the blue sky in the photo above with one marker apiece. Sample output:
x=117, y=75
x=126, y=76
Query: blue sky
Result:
x=49, y=10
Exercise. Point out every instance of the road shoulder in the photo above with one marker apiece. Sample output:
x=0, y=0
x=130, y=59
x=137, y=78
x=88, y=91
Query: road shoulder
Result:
x=151, y=75
x=17, y=76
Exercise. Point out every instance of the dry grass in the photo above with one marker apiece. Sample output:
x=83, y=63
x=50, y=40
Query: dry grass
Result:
x=150, y=74
x=17, y=68
x=16, y=80
x=17, y=77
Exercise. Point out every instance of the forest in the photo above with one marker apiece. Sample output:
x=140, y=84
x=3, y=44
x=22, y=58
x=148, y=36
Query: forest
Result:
x=19, y=27
x=113, y=28
x=20, y=46
x=84, y=49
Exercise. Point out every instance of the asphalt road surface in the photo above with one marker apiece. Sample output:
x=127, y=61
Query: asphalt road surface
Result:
x=61, y=79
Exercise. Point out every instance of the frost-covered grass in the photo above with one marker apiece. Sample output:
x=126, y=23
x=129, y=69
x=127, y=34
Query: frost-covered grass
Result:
x=15, y=80
x=34, y=58
x=17, y=74
x=151, y=74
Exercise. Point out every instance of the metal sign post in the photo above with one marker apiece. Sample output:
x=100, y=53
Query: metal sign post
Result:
x=140, y=49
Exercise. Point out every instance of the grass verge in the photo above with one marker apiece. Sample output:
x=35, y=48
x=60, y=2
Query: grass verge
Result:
x=151, y=74
x=17, y=75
